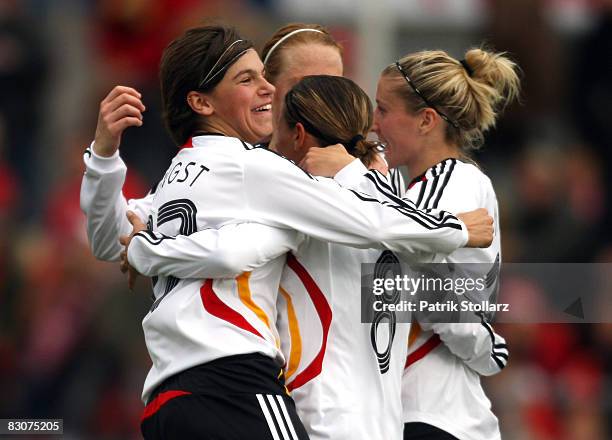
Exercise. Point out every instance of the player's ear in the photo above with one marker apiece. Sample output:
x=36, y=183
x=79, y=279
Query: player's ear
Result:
x=299, y=136
x=428, y=120
x=200, y=103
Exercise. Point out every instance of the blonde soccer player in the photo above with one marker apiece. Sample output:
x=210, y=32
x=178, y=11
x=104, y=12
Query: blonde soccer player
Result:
x=432, y=111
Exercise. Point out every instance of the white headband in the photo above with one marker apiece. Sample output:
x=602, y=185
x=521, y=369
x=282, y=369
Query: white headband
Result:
x=297, y=31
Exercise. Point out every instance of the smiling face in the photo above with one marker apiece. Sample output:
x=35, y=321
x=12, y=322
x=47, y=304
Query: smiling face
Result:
x=300, y=61
x=242, y=101
x=394, y=125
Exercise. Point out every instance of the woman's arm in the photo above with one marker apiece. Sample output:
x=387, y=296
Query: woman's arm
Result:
x=483, y=350
x=210, y=253
x=101, y=197
x=105, y=206
x=280, y=194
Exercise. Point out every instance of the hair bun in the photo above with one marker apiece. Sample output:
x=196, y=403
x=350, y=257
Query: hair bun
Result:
x=495, y=70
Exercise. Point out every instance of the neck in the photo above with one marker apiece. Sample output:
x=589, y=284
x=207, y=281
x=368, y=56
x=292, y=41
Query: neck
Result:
x=218, y=126
x=430, y=157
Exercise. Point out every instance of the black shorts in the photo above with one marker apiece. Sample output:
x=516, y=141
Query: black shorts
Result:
x=423, y=431
x=233, y=398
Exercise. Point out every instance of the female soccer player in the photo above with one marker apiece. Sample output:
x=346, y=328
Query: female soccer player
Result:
x=297, y=50
x=214, y=344
x=432, y=110
x=344, y=384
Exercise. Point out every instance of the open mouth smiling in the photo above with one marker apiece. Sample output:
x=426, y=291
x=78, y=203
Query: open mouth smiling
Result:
x=263, y=108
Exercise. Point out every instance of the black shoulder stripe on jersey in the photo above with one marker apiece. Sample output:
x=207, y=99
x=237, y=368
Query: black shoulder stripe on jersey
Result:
x=154, y=188
x=391, y=182
x=246, y=146
x=434, y=185
x=498, y=356
x=171, y=283
x=499, y=362
x=381, y=185
x=183, y=209
x=406, y=212
x=365, y=198
x=394, y=181
x=446, y=179
x=380, y=182
x=157, y=301
x=422, y=192
x=426, y=183
x=152, y=238
x=398, y=182
x=87, y=152
x=447, y=221
x=406, y=204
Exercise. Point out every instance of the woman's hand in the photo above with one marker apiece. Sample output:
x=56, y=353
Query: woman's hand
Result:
x=480, y=228
x=137, y=226
x=122, y=108
x=379, y=164
x=326, y=162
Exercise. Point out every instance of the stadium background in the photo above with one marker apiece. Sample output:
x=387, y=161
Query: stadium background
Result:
x=71, y=345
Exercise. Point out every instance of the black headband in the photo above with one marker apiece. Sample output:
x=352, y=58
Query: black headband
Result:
x=416, y=90
x=216, y=69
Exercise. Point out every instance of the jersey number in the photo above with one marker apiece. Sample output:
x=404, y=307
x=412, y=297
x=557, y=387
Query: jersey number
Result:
x=387, y=266
x=185, y=211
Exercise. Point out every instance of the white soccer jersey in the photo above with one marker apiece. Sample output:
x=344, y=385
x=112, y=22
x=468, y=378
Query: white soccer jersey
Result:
x=344, y=386
x=441, y=385
x=345, y=376
x=345, y=383
x=223, y=181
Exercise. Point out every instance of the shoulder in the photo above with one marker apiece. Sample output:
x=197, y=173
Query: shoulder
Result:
x=396, y=179
x=466, y=175
x=258, y=161
x=453, y=185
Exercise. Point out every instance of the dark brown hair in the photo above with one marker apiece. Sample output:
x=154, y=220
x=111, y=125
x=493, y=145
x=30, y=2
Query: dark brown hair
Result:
x=333, y=109
x=274, y=64
x=200, y=53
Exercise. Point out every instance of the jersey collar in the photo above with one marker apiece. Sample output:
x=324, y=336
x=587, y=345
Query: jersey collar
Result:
x=209, y=140
x=429, y=173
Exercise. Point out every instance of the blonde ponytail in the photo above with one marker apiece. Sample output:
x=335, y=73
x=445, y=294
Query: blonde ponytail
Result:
x=496, y=78
x=469, y=93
